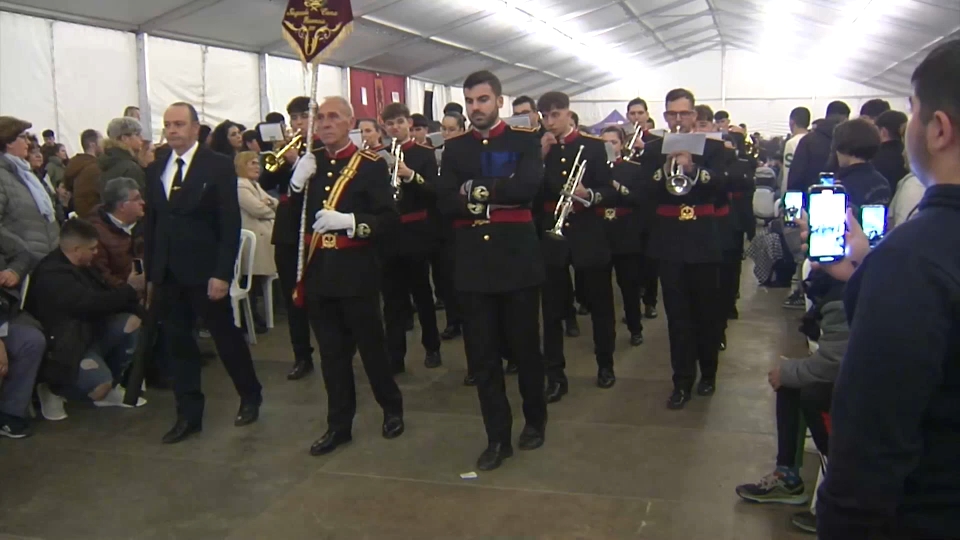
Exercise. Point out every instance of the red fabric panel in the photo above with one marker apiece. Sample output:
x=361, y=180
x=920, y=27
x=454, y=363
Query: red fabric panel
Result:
x=379, y=89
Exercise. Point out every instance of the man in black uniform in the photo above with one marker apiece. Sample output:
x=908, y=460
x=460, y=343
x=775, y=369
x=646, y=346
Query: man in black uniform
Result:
x=286, y=235
x=685, y=240
x=625, y=226
x=349, y=203
x=638, y=112
x=489, y=178
x=408, y=246
x=583, y=242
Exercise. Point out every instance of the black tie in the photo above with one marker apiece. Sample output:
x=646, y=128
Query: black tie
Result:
x=177, y=178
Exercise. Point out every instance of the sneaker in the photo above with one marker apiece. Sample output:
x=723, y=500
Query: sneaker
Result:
x=13, y=427
x=795, y=301
x=776, y=487
x=115, y=397
x=51, y=405
x=805, y=521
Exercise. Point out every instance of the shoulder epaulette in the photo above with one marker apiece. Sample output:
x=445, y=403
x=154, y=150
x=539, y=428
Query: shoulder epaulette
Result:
x=525, y=129
x=593, y=137
x=630, y=161
x=372, y=156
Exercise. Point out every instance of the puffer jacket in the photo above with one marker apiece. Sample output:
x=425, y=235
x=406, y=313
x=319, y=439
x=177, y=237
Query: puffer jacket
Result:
x=56, y=170
x=20, y=219
x=82, y=178
x=118, y=161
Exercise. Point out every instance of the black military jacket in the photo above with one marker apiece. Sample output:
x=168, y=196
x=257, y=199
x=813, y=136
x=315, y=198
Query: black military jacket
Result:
x=487, y=185
x=685, y=228
x=417, y=231
x=629, y=213
x=351, y=181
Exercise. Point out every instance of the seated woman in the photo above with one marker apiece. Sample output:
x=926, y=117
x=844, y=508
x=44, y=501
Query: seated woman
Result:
x=258, y=210
x=91, y=326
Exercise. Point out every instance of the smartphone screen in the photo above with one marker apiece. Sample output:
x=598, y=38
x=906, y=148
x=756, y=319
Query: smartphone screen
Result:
x=827, y=179
x=792, y=204
x=827, y=214
x=874, y=220
x=138, y=266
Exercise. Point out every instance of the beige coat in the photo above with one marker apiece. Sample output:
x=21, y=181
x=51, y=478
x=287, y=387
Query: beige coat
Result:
x=258, y=210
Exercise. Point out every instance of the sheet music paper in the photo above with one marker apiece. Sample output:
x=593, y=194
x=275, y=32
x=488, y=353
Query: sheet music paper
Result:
x=272, y=132
x=611, y=152
x=692, y=143
x=436, y=139
x=716, y=135
x=356, y=138
x=521, y=120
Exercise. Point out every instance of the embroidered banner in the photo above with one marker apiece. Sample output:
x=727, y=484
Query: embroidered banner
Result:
x=314, y=28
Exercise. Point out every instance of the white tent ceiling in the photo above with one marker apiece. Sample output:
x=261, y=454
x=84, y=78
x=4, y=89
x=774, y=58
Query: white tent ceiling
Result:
x=568, y=45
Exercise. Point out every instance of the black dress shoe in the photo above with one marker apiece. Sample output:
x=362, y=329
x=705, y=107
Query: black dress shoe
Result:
x=301, y=368
x=606, y=378
x=433, y=360
x=329, y=442
x=439, y=305
x=493, y=456
x=392, y=427
x=636, y=339
x=451, y=332
x=573, y=327
x=470, y=380
x=181, y=430
x=555, y=391
x=511, y=369
x=531, y=438
x=723, y=342
x=650, y=312
x=249, y=413
x=678, y=399
x=707, y=387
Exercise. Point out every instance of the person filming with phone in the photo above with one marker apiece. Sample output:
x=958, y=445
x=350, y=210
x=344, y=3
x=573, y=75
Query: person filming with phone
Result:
x=893, y=469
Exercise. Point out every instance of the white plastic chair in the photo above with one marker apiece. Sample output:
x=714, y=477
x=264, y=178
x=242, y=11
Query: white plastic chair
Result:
x=268, y=297
x=238, y=293
x=765, y=204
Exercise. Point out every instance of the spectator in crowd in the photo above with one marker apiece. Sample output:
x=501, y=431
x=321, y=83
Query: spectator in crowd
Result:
x=206, y=135
x=91, y=326
x=251, y=141
x=35, y=159
x=84, y=168
x=893, y=470
x=258, y=210
x=799, y=126
x=907, y=197
x=873, y=108
x=814, y=150
x=55, y=162
x=21, y=342
x=132, y=112
x=115, y=220
x=147, y=154
x=27, y=213
x=49, y=137
x=890, y=161
x=419, y=129
x=121, y=151
x=856, y=142
x=227, y=138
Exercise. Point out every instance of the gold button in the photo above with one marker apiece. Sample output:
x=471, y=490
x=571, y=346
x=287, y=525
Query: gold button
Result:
x=563, y=160
x=329, y=175
x=486, y=237
x=562, y=147
x=566, y=224
x=563, y=173
x=485, y=141
x=327, y=188
x=333, y=162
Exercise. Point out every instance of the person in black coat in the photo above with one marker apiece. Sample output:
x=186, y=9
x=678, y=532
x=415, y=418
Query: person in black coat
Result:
x=813, y=155
x=855, y=143
x=889, y=160
x=192, y=237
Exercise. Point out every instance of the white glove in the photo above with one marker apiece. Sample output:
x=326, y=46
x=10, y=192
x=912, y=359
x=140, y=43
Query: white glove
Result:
x=331, y=220
x=306, y=167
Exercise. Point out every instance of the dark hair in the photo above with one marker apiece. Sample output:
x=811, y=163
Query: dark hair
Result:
x=419, y=120
x=615, y=129
x=483, y=77
x=78, y=229
x=680, y=93
x=221, y=143
x=524, y=100
x=274, y=118
x=371, y=120
x=801, y=117
x=251, y=135
x=10, y=129
x=721, y=115
x=705, y=114
x=88, y=138
x=48, y=133
x=194, y=117
x=858, y=138
x=49, y=151
x=838, y=108
x=637, y=101
x=936, y=85
x=394, y=111
x=453, y=107
x=874, y=107
x=551, y=101
x=653, y=125
x=299, y=104
x=461, y=121
x=892, y=121
x=205, y=131
x=576, y=119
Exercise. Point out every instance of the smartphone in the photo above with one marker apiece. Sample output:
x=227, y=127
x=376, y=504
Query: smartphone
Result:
x=792, y=204
x=873, y=217
x=138, y=266
x=828, y=179
x=827, y=216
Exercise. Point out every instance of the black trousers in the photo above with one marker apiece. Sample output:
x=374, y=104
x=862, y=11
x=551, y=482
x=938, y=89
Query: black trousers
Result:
x=730, y=270
x=285, y=256
x=490, y=320
x=181, y=305
x=691, y=298
x=810, y=402
x=442, y=261
x=598, y=288
x=403, y=276
x=650, y=281
x=629, y=268
x=341, y=326
x=580, y=289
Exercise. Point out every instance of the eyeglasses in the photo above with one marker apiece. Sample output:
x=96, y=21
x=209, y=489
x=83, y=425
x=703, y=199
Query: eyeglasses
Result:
x=676, y=114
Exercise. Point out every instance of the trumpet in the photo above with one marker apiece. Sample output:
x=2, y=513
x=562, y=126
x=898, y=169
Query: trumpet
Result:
x=396, y=151
x=272, y=161
x=678, y=183
x=628, y=149
x=567, y=198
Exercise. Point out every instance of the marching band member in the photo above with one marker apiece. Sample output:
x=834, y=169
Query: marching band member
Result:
x=452, y=125
x=370, y=134
x=638, y=113
x=407, y=247
x=349, y=202
x=489, y=178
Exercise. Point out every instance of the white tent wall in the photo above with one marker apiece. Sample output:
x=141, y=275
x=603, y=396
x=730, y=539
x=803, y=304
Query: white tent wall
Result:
x=286, y=79
x=755, y=90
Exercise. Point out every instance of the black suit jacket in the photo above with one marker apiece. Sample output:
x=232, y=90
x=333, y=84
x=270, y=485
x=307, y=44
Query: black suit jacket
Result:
x=195, y=234
x=416, y=234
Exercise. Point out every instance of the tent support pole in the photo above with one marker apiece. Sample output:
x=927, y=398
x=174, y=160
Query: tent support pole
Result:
x=143, y=91
x=264, y=89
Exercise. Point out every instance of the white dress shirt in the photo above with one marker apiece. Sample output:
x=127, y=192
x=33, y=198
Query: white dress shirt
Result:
x=171, y=170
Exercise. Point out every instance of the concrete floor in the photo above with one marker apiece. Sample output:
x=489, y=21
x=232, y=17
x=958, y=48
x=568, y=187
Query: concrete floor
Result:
x=617, y=463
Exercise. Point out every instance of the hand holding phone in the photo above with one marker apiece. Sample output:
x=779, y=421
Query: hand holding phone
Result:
x=827, y=213
x=827, y=179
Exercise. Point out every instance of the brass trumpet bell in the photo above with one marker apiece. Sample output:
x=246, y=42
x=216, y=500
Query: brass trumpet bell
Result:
x=272, y=161
x=678, y=183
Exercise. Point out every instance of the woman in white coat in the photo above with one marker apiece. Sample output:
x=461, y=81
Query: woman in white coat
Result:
x=258, y=211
